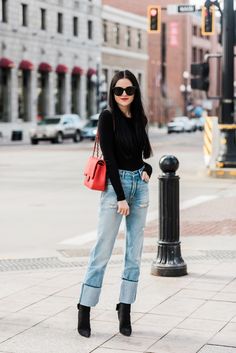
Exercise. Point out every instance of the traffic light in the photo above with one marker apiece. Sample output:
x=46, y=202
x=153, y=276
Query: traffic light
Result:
x=208, y=20
x=154, y=19
x=201, y=80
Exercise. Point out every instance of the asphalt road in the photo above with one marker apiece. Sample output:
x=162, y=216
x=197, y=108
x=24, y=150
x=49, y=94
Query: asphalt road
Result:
x=44, y=202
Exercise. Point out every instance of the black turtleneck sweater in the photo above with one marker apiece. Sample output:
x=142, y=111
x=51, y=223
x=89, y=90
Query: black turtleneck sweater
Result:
x=113, y=155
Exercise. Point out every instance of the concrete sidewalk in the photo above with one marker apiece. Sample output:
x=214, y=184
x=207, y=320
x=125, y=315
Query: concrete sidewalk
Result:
x=189, y=314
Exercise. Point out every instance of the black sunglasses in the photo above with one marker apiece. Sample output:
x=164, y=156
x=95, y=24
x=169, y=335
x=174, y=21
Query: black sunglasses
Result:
x=118, y=91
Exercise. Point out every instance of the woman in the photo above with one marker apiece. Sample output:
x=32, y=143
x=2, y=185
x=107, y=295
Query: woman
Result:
x=124, y=143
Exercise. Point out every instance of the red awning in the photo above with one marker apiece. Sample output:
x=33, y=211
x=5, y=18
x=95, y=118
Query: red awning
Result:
x=91, y=72
x=61, y=69
x=45, y=67
x=26, y=65
x=6, y=63
x=77, y=70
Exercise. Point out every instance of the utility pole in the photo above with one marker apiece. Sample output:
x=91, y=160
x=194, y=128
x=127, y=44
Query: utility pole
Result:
x=227, y=123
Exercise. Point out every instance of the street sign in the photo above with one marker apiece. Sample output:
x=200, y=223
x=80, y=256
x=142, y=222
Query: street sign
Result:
x=186, y=8
x=175, y=9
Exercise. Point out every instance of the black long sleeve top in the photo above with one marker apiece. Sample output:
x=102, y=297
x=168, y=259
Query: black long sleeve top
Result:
x=113, y=155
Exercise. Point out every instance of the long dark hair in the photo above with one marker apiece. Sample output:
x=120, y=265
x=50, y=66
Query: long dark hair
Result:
x=138, y=116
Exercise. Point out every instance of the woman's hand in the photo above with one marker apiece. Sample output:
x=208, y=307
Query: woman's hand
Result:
x=145, y=177
x=123, y=208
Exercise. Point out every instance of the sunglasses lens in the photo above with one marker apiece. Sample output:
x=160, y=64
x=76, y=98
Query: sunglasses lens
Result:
x=118, y=91
x=130, y=90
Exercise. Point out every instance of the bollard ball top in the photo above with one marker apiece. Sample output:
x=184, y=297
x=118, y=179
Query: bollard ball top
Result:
x=169, y=164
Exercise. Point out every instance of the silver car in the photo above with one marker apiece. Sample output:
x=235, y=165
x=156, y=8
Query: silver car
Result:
x=57, y=128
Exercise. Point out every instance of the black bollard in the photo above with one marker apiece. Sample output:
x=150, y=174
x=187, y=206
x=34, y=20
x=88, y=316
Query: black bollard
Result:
x=169, y=262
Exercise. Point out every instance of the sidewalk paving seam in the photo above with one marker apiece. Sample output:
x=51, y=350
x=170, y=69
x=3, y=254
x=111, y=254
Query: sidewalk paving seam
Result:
x=34, y=325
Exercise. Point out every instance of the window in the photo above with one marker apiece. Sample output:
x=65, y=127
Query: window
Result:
x=59, y=22
x=105, y=75
x=194, y=54
x=43, y=19
x=76, y=4
x=24, y=15
x=201, y=55
x=128, y=37
x=90, y=29
x=117, y=33
x=105, y=31
x=139, y=39
x=4, y=11
x=195, y=31
x=140, y=79
x=75, y=26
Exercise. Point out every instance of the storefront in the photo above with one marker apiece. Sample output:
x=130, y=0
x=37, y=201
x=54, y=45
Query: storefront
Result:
x=44, y=70
x=5, y=86
x=91, y=91
x=60, y=91
x=24, y=90
x=76, y=89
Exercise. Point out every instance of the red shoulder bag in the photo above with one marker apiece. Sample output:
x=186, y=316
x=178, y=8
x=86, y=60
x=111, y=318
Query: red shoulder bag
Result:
x=95, y=169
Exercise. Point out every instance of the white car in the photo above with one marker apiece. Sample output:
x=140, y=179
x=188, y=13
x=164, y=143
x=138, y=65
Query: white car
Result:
x=181, y=124
x=57, y=128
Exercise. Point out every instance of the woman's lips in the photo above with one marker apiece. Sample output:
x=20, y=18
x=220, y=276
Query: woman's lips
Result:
x=124, y=99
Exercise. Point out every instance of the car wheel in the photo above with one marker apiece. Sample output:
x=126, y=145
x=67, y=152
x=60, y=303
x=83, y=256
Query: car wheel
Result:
x=168, y=132
x=59, y=138
x=34, y=141
x=77, y=136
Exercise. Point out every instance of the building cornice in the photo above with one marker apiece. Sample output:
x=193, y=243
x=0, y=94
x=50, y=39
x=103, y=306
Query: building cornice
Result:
x=124, y=53
x=113, y=14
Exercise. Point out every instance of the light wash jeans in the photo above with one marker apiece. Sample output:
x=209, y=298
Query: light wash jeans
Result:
x=137, y=196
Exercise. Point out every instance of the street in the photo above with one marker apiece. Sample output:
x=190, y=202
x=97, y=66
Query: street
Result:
x=44, y=203
x=48, y=224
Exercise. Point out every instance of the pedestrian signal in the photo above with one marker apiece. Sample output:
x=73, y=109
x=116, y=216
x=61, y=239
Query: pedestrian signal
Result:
x=208, y=20
x=200, y=73
x=154, y=19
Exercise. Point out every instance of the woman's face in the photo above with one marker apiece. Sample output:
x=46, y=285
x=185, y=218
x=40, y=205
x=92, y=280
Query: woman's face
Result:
x=124, y=100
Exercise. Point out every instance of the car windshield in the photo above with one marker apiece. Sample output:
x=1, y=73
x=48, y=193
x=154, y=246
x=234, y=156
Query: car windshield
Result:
x=92, y=123
x=49, y=121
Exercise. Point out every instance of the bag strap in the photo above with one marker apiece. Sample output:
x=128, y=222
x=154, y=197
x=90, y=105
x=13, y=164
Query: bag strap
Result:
x=96, y=147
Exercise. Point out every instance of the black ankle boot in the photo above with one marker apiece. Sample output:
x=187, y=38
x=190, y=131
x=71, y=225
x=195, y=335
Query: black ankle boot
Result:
x=84, y=320
x=124, y=318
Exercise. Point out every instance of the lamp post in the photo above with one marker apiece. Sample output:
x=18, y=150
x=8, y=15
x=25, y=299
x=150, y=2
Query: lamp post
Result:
x=185, y=89
x=98, y=84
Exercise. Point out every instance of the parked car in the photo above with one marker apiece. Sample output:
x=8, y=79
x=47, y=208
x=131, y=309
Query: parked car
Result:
x=181, y=124
x=89, y=131
x=57, y=128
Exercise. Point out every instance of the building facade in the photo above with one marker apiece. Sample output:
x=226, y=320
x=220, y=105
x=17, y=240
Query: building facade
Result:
x=49, y=50
x=171, y=53
x=124, y=46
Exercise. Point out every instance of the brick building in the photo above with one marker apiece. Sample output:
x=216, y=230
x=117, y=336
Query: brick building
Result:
x=171, y=53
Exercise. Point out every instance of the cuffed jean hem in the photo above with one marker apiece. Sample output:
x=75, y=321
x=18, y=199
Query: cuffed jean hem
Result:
x=89, y=295
x=128, y=291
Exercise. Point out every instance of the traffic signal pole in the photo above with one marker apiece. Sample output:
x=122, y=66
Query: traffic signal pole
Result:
x=227, y=124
